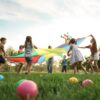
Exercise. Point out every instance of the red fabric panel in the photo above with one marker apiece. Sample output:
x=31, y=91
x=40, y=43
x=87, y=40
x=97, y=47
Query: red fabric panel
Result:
x=35, y=59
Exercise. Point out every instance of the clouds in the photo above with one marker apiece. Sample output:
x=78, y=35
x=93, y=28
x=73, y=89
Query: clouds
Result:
x=14, y=10
x=48, y=19
x=44, y=10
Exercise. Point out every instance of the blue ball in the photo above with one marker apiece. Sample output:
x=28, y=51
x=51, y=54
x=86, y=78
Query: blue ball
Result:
x=1, y=77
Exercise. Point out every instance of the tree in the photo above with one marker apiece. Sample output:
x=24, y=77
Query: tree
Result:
x=10, y=51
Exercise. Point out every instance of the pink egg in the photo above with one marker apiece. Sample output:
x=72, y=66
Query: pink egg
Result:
x=87, y=83
x=27, y=89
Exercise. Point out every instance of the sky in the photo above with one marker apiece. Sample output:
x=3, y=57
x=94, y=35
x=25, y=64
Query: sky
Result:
x=47, y=20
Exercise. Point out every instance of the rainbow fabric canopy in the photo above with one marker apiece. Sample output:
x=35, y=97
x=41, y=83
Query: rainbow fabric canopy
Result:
x=41, y=55
x=67, y=46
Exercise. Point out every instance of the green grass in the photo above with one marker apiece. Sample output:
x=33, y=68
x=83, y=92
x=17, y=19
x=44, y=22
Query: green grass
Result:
x=52, y=87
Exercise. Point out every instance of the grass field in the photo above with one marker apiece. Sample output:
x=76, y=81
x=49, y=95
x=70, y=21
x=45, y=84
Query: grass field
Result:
x=52, y=87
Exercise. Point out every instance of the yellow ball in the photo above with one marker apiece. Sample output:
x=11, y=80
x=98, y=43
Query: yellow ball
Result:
x=73, y=80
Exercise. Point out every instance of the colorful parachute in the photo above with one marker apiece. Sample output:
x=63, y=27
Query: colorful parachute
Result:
x=64, y=46
x=22, y=59
x=67, y=46
x=41, y=55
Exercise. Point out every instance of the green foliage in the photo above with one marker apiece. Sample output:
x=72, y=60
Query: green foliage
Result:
x=52, y=87
x=10, y=51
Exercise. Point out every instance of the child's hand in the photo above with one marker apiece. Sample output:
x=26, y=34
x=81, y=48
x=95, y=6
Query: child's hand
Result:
x=68, y=54
x=91, y=35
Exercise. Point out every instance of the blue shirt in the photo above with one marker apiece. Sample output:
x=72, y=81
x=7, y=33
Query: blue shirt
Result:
x=64, y=62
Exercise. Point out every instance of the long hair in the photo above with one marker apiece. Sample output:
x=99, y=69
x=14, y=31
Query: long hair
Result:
x=28, y=40
x=73, y=41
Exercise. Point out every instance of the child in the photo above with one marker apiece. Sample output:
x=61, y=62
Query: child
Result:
x=76, y=56
x=20, y=49
x=64, y=64
x=29, y=47
x=20, y=64
x=94, y=53
x=50, y=62
x=2, y=51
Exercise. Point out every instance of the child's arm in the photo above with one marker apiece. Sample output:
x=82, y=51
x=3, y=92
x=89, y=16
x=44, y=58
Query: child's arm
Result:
x=85, y=47
x=93, y=38
x=35, y=47
x=4, y=52
x=2, y=47
x=69, y=51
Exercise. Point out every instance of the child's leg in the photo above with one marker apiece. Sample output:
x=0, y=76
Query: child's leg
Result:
x=0, y=67
x=29, y=68
x=19, y=68
x=91, y=66
x=29, y=65
x=80, y=63
x=65, y=69
x=62, y=68
x=50, y=67
x=75, y=68
x=96, y=65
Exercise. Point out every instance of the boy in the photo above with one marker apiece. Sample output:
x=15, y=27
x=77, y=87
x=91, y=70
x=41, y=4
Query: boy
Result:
x=64, y=64
x=50, y=62
x=2, y=51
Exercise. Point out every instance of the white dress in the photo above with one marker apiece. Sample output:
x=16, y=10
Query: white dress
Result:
x=76, y=54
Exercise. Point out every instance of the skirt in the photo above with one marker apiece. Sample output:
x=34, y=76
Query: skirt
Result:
x=76, y=57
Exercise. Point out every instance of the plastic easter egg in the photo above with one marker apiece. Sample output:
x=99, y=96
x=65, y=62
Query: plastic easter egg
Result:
x=1, y=77
x=73, y=80
x=87, y=83
x=27, y=89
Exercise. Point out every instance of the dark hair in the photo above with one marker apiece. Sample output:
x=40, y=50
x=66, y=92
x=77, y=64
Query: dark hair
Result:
x=73, y=41
x=28, y=39
x=20, y=47
x=49, y=47
x=2, y=39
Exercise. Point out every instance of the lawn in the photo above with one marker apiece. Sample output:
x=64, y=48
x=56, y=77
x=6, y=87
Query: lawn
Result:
x=52, y=87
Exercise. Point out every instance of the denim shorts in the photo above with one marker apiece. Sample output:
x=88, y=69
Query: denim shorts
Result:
x=29, y=59
x=2, y=60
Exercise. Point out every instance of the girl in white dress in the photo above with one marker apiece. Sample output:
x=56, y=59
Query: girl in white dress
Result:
x=76, y=56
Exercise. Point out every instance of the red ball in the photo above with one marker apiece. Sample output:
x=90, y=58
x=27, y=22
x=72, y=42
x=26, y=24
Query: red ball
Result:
x=87, y=83
x=27, y=89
